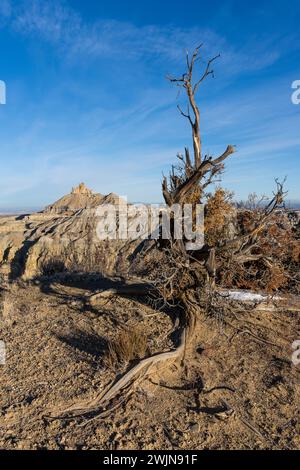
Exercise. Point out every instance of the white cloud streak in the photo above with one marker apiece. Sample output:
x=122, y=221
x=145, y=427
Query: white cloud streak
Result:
x=59, y=24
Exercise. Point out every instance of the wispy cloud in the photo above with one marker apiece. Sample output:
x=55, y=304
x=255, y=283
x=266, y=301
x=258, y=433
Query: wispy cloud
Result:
x=52, y=21
x=114, y=123
x=59, y=24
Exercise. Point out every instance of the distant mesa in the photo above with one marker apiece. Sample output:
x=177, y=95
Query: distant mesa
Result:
x=81, y=197
x=63, y=237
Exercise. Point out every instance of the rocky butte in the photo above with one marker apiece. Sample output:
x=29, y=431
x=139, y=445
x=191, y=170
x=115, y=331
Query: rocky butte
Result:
x=62, y=237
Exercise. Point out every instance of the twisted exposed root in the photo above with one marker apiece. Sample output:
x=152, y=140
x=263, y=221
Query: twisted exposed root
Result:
x=119, y=390
x=123, y=386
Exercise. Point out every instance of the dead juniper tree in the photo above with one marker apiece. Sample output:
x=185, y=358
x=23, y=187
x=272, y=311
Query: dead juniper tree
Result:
x=186, y=278
x=193, y=285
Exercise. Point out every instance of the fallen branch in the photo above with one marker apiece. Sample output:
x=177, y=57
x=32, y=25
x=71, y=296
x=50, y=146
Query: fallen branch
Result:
x=138, y=289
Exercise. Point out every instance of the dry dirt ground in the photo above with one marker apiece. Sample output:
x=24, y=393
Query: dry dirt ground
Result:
x=238, y=388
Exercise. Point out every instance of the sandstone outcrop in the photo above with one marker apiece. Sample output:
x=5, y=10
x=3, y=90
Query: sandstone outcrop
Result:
x=62, y=237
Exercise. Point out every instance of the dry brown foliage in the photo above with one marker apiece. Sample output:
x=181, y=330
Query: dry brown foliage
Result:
x=219, y=212
x=279, y=242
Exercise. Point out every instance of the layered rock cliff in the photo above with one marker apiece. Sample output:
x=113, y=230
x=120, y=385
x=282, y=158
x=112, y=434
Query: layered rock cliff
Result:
x=62, y=237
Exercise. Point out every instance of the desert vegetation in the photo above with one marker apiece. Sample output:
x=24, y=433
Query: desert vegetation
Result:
x=135, y=342
x=252, y=247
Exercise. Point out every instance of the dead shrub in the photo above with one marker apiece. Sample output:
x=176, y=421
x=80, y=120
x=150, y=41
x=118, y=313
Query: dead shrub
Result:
x=126, y=347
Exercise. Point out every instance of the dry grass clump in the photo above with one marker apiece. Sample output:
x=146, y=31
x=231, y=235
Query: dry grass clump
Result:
x=126, y=347
x=52, y=266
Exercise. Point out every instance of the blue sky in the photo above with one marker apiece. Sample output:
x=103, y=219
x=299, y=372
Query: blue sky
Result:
x=87, y=98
